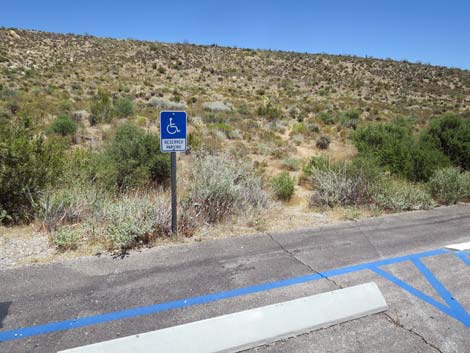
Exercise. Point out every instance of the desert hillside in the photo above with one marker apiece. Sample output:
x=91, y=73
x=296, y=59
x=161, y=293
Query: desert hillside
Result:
x=278, y=140
x=76, y=66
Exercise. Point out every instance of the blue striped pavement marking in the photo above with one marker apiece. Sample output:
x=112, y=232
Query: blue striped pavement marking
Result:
x=453, y=308
x=464, y=256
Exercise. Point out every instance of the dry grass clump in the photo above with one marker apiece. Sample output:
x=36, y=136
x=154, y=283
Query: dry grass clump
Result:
x=84, y=214
x=220, y=186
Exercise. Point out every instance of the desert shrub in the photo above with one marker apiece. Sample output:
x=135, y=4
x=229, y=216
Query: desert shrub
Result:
x=292, y=164
x=141, y=121
x=401, y=195
x=136, y=219
x=327, y=118
x=349, y=119
x=123, y=107
x=101, y=108
x=283, y=186
x=133, y=158
x=29, y=163
x=299, y=128
x=312, y=128
x=338, y=187
x=395, y=148
x=66, y=238
x=63, y=125
x=222, y=127
x=451, y=134
x=270, y=111
x=323, y=142
x=449, y=185
x=343, y=183
x=317, y=163
x=295, y=113
x=220, y=186
x=120, y=222
x=194, y=140
x=67, y=204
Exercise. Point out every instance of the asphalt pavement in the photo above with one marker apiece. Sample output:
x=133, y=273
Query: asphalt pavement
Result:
x=51, y=307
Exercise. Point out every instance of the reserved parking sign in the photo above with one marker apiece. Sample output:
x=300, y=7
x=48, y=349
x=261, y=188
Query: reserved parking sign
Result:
x=172, y=131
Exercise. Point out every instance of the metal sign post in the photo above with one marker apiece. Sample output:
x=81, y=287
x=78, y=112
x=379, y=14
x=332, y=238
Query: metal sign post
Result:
x=173, y=139
x=174, y=208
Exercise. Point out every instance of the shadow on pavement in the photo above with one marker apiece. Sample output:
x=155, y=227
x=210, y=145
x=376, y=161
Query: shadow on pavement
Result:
x=3, y=311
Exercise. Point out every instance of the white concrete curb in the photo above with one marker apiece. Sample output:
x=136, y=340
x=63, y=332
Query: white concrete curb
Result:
x=459, y=247
x=251, y=328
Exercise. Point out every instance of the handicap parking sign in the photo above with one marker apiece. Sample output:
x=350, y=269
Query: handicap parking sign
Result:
x=172, y=131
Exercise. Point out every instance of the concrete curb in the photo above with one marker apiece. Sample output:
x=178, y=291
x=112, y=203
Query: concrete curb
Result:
x=459, y=247
x=251, y=328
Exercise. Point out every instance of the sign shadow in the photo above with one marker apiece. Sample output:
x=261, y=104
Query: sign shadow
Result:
x=4, y=306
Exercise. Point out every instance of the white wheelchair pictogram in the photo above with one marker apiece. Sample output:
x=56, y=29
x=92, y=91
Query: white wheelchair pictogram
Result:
x=171, y=128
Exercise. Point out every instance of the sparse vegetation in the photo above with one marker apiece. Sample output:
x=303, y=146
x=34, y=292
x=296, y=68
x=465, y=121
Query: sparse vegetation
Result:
x=252, y=115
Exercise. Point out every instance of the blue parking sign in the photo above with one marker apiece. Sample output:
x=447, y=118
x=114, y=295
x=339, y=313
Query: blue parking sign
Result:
x=172, y=131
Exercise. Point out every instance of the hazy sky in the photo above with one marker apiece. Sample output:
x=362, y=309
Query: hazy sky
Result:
x=436, y=32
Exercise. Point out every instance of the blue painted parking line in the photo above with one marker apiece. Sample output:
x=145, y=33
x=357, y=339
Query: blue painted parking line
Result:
x=453, y=308
x=464, y=256
x=453, y=311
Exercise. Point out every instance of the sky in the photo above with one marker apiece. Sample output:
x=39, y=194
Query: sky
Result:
x=435, y=32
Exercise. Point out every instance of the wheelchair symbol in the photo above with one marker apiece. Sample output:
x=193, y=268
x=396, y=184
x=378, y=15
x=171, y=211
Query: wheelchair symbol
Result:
x=171, y=128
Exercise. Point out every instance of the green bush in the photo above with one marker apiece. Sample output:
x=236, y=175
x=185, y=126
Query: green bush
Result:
x=451, y=134
x=395, y=148
x=449, y=185
x=63, y=125
x=194, y=140
x=29, y=163
x=271, y=111
x=123, y=107
x=133, y=158
x=283, y=186
x=299, y=128
x=327, y=118
x=101, y=108
x=317, y=163
x=399, y=195
x=66, y=238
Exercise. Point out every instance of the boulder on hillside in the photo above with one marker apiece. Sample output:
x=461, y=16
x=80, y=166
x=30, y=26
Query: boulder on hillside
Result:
x=165, y=104
x=14, y=35
x=218, y=106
